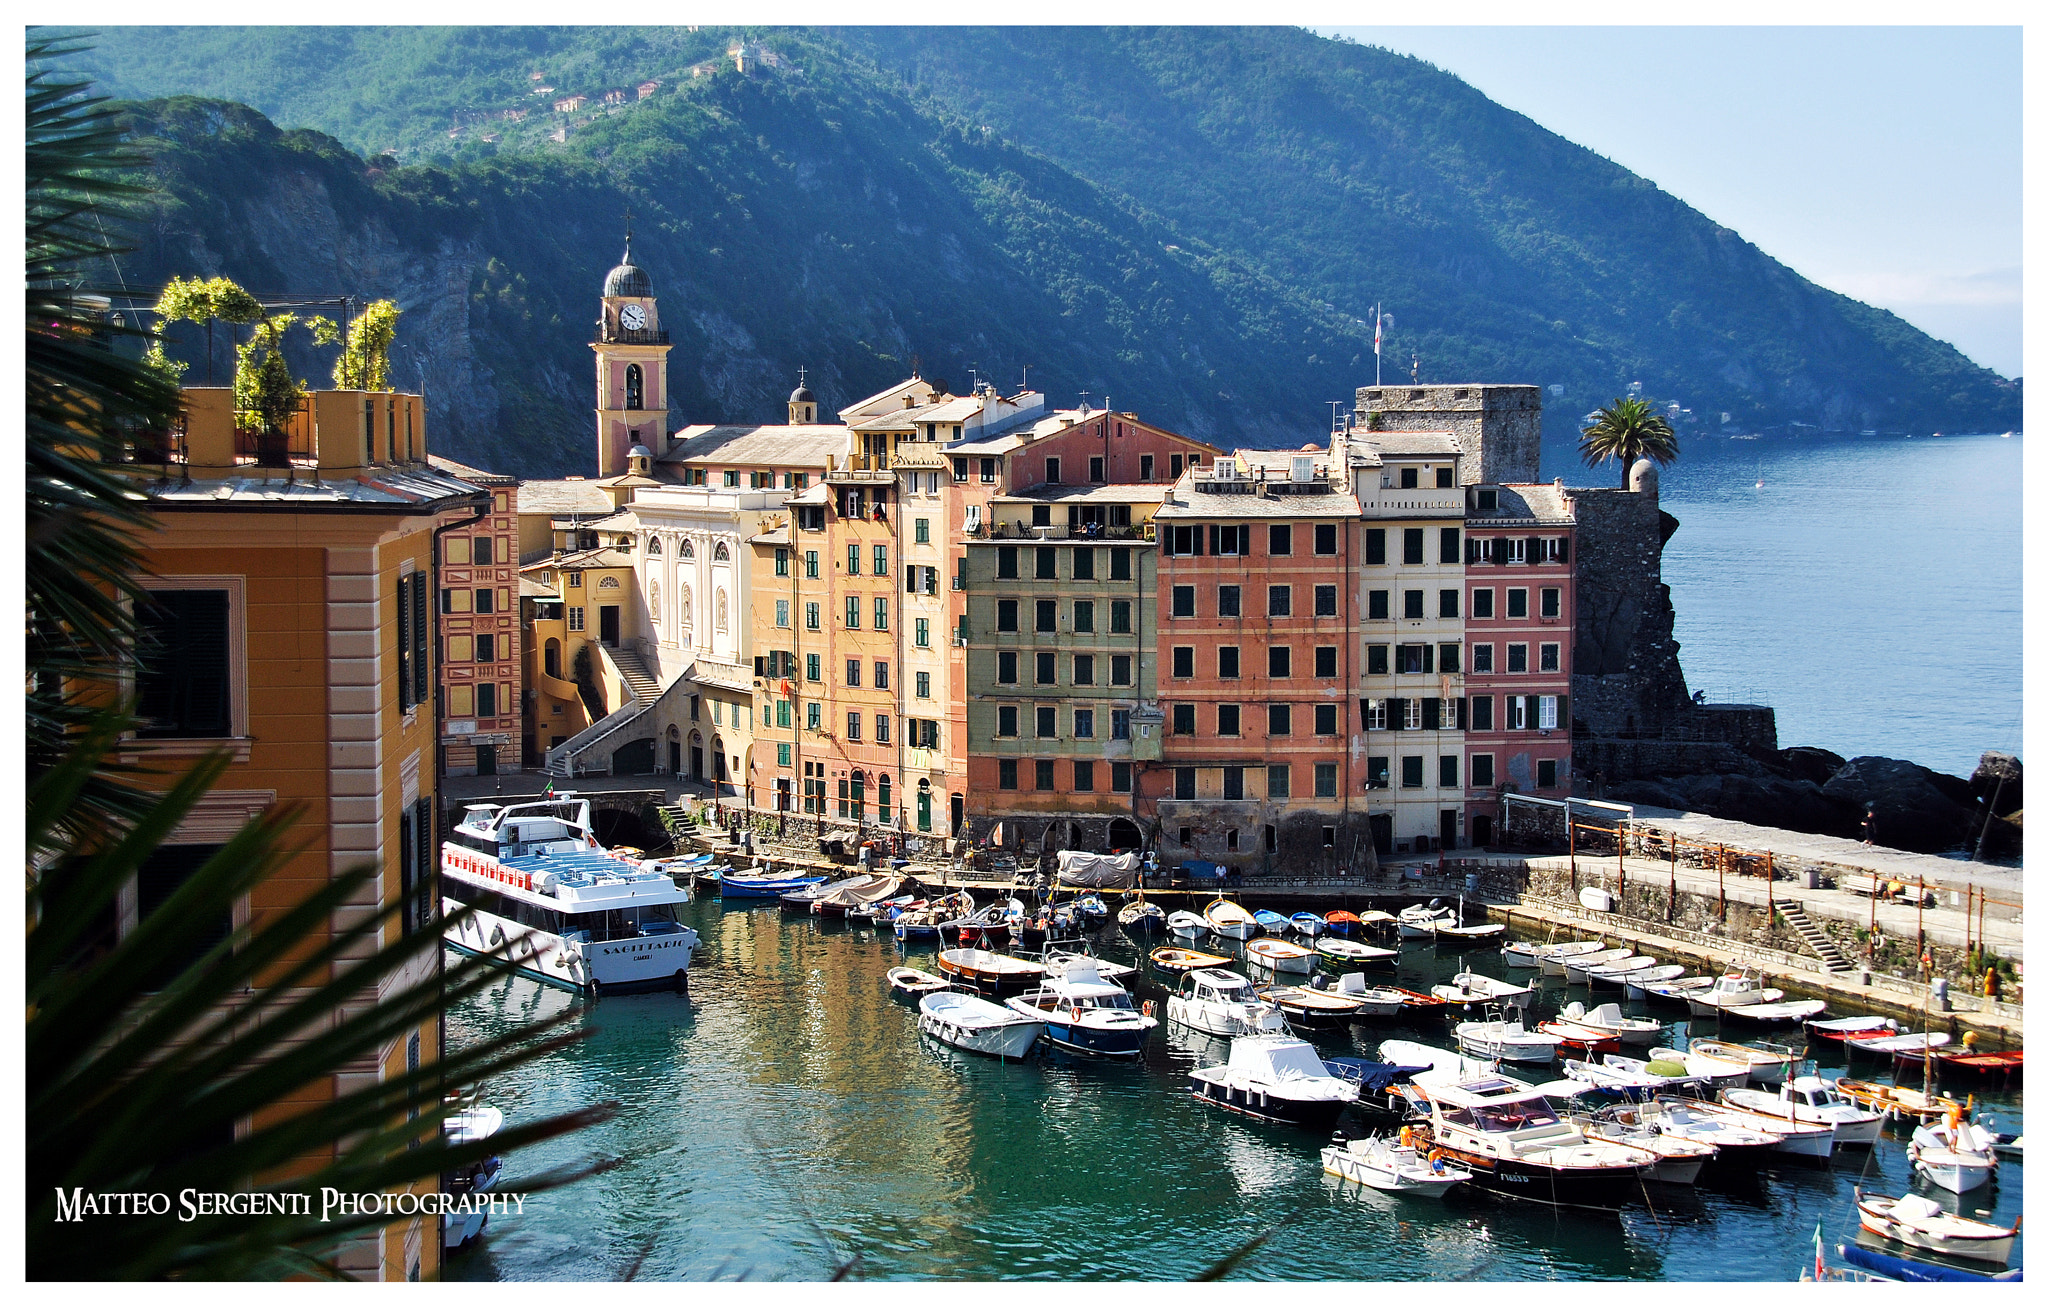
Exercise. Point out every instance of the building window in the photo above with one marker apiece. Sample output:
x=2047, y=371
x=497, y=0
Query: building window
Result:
x=1447, y=659
x=1546, y=712
x=1119, y=723
x=1482, y=712
x=1411, y=771
x=732, y=479
x=1183, y=719
x=1006, y=614
x=1227, y=600
x=1326, y=780
x=1414, y=658
x=1374, y=714
x=1119, y=610
x=1048, y=723
x=1226, y=662
x=1411, y=478
x=1052, y=475
x=1045, y=564
x=1183, y=660
x=1084, y=669
x=782, y=754
x=1279, y=540
x=1046, y=668
x=924, y=679
x=1233, y=784
x=1518, y=603
x=1006, y=773
x=1551, y=599
x=811, y=564
x=1006, y=562
x=1120, y=778
x=1279, y=661
x=1279, y=600
x=881, y=613
x=1119, y=669
x=1482, y=770
x=1084, y=564
x=853, y=672
x=1517, y=712
x=575, y=581
x=881, y=560
x=1326, y=660
x=1277, y=783
x=1376, y=660
x=1482, y=659
x=1144, y=467
x=1411, y=538
x=1376, y=773
x=783, y=708
x=1048, y=615
x=1084, y=614
x=1411, y=714
x=1375, y=545
x=853, y=612
x=487, y=648
x=1482, y=603
x=1518, y=657
x=1447, y=771
x=988, y=476
x=1227, y=716
x=1326, y=539
x=1006, y=721
x=1183, y=788
x=575, y=619
x=1084, y=771
x=1230, y=840
x=1546, y=773
x=1447, y=542
x=782, y=613
x=1411, y=605
x=487, y=699
x=813, y=667
x=782, y=562
x=1279, y=719
x=882, y=730
x=185, y=682
x=1043, y=778
x=1326, y=719
x=1376, y=605
x=1447, y=603
x=1006, y=670
x=1183, y=601
x=1326, y=601
x=1084, y=723
x=1119, y=561
x=1546, y=657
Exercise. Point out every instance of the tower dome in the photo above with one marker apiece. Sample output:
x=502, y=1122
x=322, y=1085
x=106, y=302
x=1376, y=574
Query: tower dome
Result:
x=802, y=395
x=628, y=278
x=1642, y=478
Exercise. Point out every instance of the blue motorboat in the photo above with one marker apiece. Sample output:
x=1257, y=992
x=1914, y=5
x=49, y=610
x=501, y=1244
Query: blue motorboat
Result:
x=1308, y=923
x=1900, y=1268
x=765, y=887
x=1083, y=1012
x=1269, y=921
x=1091, y=907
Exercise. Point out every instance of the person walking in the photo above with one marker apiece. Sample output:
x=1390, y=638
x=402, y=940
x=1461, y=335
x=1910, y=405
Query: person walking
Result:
x=1870, y=823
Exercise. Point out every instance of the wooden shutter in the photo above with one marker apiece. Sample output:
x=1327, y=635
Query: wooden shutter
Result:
x=1432, y=713
x=1564, y=549
x=1397, y=714
x=404, y=643
x=1564, y=713
x=1429, y=658
x=1215, y=540
x=1471, y=551
x=425, y=896
x=1460, y=714
x=1535, y=550
x=1530, y=704
x=419, y=637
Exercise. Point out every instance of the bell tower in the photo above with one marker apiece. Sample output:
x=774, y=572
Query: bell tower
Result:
x=803, y=405
x=632, y=367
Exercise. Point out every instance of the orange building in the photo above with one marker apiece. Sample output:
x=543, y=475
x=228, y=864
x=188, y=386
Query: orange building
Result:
x=293, y=608
x=479, y=702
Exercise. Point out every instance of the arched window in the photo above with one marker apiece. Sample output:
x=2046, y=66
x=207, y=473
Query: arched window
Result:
x=635, y=390
x=654, y=546
x=689, y=550
x=654, y=602
x=721, y=554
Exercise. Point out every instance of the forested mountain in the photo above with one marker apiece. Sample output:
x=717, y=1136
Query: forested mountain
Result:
x=1191, y=222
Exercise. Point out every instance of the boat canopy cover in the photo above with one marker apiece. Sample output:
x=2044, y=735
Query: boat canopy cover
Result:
x=1276, y=1058
x=1098, y=870
x=1371, y=1076
x=1916, y=1206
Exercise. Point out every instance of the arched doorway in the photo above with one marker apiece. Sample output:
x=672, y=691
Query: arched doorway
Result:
x=551, y=658
x=959, y=813
x=696, y=756
x=924, y=805
x=636, y=389
x=1124, y=834
x=675, y=752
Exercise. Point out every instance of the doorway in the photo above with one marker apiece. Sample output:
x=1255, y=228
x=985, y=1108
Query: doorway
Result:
x=1123, y=834
x=696, y=762
x=675, y=752
x=959, y=813
x=487, y=760
x=924, y=805
x=608, y=624
x=1447, y=829
x=1482, y=831
x=1382, y=824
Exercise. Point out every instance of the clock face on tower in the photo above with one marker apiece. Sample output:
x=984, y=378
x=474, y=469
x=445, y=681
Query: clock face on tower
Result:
x=632, y=317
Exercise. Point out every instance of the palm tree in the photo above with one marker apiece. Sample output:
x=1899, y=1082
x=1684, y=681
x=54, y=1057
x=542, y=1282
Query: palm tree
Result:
x=1628, y=429
x=144, y=1051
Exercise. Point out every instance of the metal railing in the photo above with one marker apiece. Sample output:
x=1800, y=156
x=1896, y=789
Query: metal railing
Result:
x=297, y=445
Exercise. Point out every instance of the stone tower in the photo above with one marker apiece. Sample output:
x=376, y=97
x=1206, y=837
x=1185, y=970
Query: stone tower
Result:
x=632, y=367
x=1499, y=429
x=803, y=405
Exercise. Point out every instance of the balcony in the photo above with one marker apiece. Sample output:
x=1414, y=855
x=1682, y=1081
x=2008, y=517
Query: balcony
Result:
x=861, y=468
x=157, y=446
x=1084, y=531
x=1389, y=501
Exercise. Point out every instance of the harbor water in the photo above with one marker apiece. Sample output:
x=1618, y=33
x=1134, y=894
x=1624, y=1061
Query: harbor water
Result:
x=786, y=1121
x=1868, y=589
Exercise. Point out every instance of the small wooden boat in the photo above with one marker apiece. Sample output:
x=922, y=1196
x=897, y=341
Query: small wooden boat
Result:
x=1898, y=1101
x=1609, y=1020
x=1420, y=922
x=1813, y=1100
x=1636, y=984
x=1392, y=1166
x=1796, y=1138
x=1178, y=960
x=1374, y=920
x=1874, y=1266
x=1341, y=922
x=1953, y=1154
x=838, y=900
x=1351, y=953
x=1271, y=922
x=1554, y=964
x=1527, y=953
x=1469, y=987
x=1188, y=925
x=1615, y=974
x=1914, y=1044
x=1278, y=1078
x=989, y=972
x=1668, y=1075
x=2010, y=1062
x=1675, y=991
x=1307, y=923
x=1776, y=1014
x=1721, y=1072
x=1141, y=918
x=1091, y=907
x=1230, y=920
x=1114, y=972
x=1842, y=1029
x=1689, y=1118
x=1421, y=1005
x=1578, y=971
x=1766, y=1066
x=1736, y=989
x=977, y=1025
x=1509, y=1041
x=909, y=982
x=1374, y=1000
x=764, y=887
x=1280, y=955
x=1457, y=934
x=1304, y=1005
x=1679, y=1161
x=1578, y=1039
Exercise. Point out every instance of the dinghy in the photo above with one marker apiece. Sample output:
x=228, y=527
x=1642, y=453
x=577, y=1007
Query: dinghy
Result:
x=989, y=972
x=1351, y=953
x=1636, y=984
x=1894, y=1045
x=1176, y=960
x=1392, y=1166
x=1469, y=987
x=1668, y=1075
x=1608, y=1019
x=1842, y=1029
x=1420, y=922
x=1615, y=974
x=1280, y=955
x=1341, y=922
x=1529, y=954
x=1456, y=933
x=1509, y=1041
x=1578, y=971
x=1732, y=1140
x=909, y=982
x=1766, y=1066
x=1769, y=1014
x=1797, y=1138
x=1578, y=1039
x=1311, y=1008
x=1923, y=1223
x=977, y=1025
x=1552, y=964
x=1271, y=922
x=1187, y=925
x=1374, y=1000
x=1307, y=924
x=1953, y=1154
x=1736, y=989
x=1679, y=1160
x=1141, y=918
x=1229, y=920
x=1674, y=991
x=1720, y=1072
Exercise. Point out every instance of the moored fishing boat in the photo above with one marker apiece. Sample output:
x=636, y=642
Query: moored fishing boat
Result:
x=1351, y=953
x=1141, y=918
x=1177, y=960
x=1675, y=991
x=1842, y=1029
x=1768, y=1014
x=1608, y=1018
x=1392, y=1166
x=1419, y=921
x=1526, y=953
x=1230, y=920
x=1515, y=1142
x=1277, y=1078
x=1899, y=1101
x=1341, y=922
x=1812, y=1100
x=1636, y=984
x=1507, y=1041
x=1307, y=1007
x=1280, y=955
x=1668, y=1075
x=1220, y=1002
x=1271, y=922
x=1615, y=974
x=1613, y=1082
x=1554, y=964
x=1953, y=1153
x=1455, y=933
x=1917, y=1042
x=910, y=982
x=1187, y=925
x=1767, y=1066
x=1733, y=1141
x=1114, y=972
x=1374, y=1000
x=1736, y=989
x=977, y=1025
x=1578, y=1039
x=840, y=899
x=1721, y=1072
x=1469, y=988
x=987, y=971
x=1578, y=970
x=1809, y=1139
x=1679, y=1160
x=548, y=902
x=1921, y=1222
x=470, y=1125
x=1307, y=924
x=1083, y=1012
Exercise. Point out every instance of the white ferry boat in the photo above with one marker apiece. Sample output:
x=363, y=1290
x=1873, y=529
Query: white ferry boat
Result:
x=560, y=907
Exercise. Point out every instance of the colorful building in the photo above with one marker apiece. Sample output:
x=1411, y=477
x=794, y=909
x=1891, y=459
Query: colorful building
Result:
x=482, y=683
x=297, y=606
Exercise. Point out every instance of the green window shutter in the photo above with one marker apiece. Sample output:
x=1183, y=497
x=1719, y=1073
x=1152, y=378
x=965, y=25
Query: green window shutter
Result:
x=1397, y=714
x=1432, y=714
x=1564, y=713
x=1429, y=658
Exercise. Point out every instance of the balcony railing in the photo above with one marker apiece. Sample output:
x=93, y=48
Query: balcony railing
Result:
x=1084, y=531
x=294, y=446
x=162, y=446
x=624, y=336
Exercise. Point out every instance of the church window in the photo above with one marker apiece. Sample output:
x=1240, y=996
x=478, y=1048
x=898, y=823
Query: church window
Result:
x=635, y=387
x=689, y=550
x=654, y=546
x=720, y=554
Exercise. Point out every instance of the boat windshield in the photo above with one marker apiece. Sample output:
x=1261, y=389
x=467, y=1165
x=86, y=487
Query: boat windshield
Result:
x=1524, y=1115
x=626, y=923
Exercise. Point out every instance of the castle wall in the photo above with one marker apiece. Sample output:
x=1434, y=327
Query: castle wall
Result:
x=1499, y=429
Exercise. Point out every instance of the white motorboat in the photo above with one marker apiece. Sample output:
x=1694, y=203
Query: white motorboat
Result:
x=1305, y=1005
x=1349, y=952
x=1720, y=1072
x=1674, y=991
x=1578, y=971
x=1767, y=1066
x=910, y=982
x=1921, y=1222
x=550, y=903
x=977, y=1025
x=1280, y=955
x=1393, y=1167
x=1636, y=984
x=1276, y=1077
x=1509, y=1041
x=1551, y=964
x=1785, y=1013
x=1085, y=1013
x=1798, y=1138
x=470, y=1125
x=1813, y=1100
x=1229, y=920
x=1953, y=1154
x=1668, y=1075
x=1374, y=1000
x=1679, y=1160
x=1893, y=1045
x=1419, y=922
x=1466, y=934
x=1527, y=953
x=1614, y=1081
x=1615, y=974
x=1188, y=925
x=1469, y=987
x=1219, y=1002
x=1515, y=1142
x=988, y=971
x=1736, y=989
x=1608, y=1019
x=1684, y=1118
x=1116, y=973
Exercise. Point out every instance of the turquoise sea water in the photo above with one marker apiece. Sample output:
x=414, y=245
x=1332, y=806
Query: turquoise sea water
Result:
x=787, y=1118
x=1869, y=590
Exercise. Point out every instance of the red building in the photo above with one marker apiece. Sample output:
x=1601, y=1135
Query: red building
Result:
x=1518, y=646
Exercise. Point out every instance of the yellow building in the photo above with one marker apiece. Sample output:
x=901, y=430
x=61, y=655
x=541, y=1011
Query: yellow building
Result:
x=293, y=598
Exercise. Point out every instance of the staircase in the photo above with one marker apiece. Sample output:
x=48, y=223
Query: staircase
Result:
x=634, y=673
x=1816, y=939
x=676, y=820
x=564, y=759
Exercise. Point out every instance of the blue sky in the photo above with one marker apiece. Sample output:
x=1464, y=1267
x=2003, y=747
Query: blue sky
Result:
x=1881, y=162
